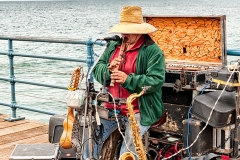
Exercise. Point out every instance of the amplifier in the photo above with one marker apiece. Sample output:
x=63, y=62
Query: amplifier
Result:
x=54, y=134
x=35, y=151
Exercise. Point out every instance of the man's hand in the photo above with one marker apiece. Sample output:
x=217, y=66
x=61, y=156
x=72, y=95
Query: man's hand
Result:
x=119, y=76
x=114, y=64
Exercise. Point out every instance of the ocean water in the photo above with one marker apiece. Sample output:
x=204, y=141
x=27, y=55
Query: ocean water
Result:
x=82, y=19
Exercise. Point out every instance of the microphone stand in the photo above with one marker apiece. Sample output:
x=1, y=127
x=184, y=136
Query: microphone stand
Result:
x=88, y=110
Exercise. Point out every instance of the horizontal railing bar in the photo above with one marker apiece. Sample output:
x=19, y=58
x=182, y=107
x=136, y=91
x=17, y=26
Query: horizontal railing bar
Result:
x=32, y=83
x=51, y=40
x=43, y=57
x=43, y=39
x=5, y=104
x=233, y=52
x=35, y=110
x=39, y=84
x=29, y=109
x=229, y=52
x=5, y=79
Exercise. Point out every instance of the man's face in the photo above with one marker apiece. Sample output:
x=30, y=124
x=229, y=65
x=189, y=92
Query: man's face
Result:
x=130, y=38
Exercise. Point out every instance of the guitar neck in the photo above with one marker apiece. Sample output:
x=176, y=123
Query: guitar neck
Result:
x=70, y=111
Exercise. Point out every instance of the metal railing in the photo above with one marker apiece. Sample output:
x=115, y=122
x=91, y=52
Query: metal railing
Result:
x=12, y=79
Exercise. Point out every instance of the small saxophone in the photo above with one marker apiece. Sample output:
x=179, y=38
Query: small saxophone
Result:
x=137, y=139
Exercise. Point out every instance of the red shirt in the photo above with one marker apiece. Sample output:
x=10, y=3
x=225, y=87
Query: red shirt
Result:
x=128, y=66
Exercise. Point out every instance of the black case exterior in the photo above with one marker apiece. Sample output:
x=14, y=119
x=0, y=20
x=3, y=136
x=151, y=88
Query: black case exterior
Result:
x=173, y=123
x=174, y=104
x=223, y=113
x=204, y=143
x=223, y=75
x=55, y=132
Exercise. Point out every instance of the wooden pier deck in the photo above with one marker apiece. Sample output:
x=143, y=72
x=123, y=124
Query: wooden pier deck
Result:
x=20, y=132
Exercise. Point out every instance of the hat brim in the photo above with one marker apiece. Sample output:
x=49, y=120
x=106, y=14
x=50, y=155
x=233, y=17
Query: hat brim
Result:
x=133, y=28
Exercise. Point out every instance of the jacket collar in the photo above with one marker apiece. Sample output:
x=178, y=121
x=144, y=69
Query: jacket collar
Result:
x=148, y=40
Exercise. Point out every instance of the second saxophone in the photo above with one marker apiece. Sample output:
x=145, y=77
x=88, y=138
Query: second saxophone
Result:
x=137, y=139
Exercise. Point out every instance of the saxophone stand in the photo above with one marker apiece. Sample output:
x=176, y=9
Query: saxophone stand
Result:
x=88, y=111
x=237, y=118
x=90, y=131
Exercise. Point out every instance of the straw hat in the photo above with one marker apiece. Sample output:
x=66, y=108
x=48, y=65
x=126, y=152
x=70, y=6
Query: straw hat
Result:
x=131, y=22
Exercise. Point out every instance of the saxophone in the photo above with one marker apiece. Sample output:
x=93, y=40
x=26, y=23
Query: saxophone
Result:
x=137, y=139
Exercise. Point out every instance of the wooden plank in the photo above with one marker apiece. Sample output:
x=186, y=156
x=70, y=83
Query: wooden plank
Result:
x=25, y=134
x=20, y=132
x=5, y=124
x=18, y=128
x=33, y=140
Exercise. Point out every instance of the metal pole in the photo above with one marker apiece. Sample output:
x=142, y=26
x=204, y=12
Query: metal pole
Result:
x=90, y=62
x=90, y=57
x=91, y=144
x=11, y=65
x=235, y=147
x=12, y=82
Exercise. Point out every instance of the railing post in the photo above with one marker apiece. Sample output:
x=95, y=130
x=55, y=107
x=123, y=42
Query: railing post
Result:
x=90, y=57
x=12, y=82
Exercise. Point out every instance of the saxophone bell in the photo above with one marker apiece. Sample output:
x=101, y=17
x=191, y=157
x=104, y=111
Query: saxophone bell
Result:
x=127, y=156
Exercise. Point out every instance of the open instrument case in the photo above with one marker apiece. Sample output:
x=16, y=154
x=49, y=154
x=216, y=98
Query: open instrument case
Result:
x=194, y=47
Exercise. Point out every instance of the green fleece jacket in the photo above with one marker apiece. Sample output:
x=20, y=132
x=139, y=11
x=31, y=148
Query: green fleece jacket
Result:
x=150, y=72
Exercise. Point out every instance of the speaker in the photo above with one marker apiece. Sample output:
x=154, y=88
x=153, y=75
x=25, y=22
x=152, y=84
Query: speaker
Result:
x=54, y=134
